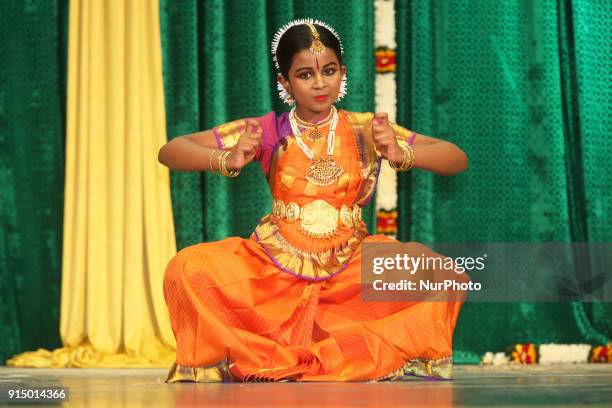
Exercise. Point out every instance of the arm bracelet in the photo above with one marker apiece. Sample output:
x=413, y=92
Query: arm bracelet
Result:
x=408, y=161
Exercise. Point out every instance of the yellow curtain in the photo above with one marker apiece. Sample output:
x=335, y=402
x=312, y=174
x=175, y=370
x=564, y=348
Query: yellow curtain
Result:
x=118, y=226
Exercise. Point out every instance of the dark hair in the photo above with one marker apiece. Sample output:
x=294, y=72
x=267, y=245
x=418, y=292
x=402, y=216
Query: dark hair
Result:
x=298, y=38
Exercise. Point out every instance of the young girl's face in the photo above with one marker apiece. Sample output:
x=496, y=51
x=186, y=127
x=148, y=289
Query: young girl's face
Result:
x=314, y=80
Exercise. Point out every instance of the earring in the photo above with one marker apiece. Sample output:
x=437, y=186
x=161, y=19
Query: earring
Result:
x=284, y=95
x=343, y=90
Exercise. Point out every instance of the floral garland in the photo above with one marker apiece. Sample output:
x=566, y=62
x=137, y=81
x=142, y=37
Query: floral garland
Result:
x=530, y=353
x=386, y=101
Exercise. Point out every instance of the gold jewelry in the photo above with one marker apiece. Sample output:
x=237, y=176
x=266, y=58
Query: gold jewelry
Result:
x=346, y=216
x=318, y=219
x=292, y=212
x=324, y=170
x=408, y=160
x=281, y=32
x=316, y=47
x=314, y=133
x=222, y=161
x=310, y=125
x=210, y=160
x=231, y=173
x=279, y=208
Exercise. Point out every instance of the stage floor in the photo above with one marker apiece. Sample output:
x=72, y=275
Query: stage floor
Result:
x=559, y=385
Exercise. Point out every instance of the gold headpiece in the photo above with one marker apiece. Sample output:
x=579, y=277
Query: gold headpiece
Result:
x=317, y=46
x=316, y=43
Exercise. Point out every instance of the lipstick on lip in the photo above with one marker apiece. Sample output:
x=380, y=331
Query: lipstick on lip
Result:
x=321, y=98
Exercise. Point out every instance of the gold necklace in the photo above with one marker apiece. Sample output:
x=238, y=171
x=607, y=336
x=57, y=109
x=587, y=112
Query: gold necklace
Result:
x=324, y=170
x=315, y=133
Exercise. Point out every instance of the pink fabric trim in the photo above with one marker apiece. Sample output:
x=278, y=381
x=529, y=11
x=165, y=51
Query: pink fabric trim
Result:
x=218, y=137
x=411, y=140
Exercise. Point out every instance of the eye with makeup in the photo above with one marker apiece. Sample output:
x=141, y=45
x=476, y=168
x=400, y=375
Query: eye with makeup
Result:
x=307, y=74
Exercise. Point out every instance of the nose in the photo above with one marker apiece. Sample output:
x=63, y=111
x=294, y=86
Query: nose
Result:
x=319, y=82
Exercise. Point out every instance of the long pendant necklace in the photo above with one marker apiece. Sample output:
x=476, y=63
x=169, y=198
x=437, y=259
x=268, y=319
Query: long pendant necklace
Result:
x=324, y=170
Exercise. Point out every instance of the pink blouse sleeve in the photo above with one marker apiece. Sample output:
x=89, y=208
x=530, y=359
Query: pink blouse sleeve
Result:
x=227, y=136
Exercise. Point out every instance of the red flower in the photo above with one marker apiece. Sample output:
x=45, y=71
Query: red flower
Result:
x=602, y=354
x=525, y=353
x=385, y=60
x=386, y=222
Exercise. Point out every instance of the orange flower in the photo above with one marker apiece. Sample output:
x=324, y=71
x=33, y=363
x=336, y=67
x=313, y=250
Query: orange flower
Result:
x=602, y=354
x=385, y=60
x=386, y=222
x=525, y=353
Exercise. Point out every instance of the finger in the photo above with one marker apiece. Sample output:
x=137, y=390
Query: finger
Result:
x=382, y=143
x=246, y=150
x=379, y=137
x=254, y=137
x=383, y=138
x=381, y=118
x=379, y=129
x=253, y=126
x=252, y=122
x=253, y=142
x=253, y=146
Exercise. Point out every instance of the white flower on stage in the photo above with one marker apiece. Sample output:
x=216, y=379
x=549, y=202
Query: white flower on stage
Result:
x=564, y=353
x=496, y=359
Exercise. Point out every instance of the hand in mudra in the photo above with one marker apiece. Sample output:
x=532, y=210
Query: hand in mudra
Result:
x=384, y=138
x=245, y=149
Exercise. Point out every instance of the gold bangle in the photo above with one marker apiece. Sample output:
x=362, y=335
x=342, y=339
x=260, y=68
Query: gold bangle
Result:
x=219, y=160
x=394, y=165
x=407, y=161
x=223, y=160
x=223, y=166
x=407, y=165
x=210, y=160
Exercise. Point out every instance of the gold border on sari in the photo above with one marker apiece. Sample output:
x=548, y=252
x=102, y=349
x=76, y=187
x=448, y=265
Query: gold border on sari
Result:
x=441, y=369
x=205, y=374
x=229, y=133
x=361, y=126
x=309, y=265
x=402, y=134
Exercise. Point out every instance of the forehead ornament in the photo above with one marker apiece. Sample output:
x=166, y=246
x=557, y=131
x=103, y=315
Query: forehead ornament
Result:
x=316, y=47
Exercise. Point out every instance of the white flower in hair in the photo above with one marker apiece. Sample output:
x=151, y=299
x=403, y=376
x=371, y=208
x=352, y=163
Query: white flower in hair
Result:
x=283, y=94
x=293, y=23
x=343, y=85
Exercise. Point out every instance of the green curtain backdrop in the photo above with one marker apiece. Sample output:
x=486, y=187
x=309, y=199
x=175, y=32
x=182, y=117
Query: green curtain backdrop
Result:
x=217, y=68
x=525, y=89
x=32, y=111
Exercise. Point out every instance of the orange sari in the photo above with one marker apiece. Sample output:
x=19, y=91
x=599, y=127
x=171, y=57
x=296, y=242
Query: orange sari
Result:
x=285, y=306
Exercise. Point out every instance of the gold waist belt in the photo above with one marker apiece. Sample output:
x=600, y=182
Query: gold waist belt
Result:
x=318, y=219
